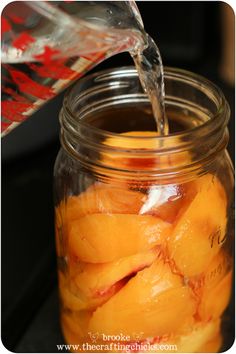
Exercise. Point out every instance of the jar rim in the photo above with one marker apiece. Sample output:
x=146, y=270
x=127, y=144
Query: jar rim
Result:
x=203, y=142
x=218, y=120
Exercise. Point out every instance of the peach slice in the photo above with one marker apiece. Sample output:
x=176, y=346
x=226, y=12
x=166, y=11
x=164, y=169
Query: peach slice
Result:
x=120, y=141
x=103, y=198
x=200, y=231
x=198, y=337
x=58, y=241
x=70, y=337
x=220, y=265
x=69, y=300
x=202, y=339
x=100, y=238
x=58, y=216
x=217, y=269
x=118, y=160
x=168, y=201
x=215, y=300
x=213, y=345
x=75, y=330
x=95, y=279
x=77, y=322
x=59, y=231
x=151, y=304
x=73, y=299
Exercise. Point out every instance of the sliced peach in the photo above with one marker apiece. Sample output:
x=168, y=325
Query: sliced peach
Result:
x=213, y=345
x=120, y=140
x=59, y=231
x=77, y=322
x=220, y=265
x=70, y=337
x=68, y=299
x=217, y=269
x=95, y=279
x=168, y=201
x=75, y=330
x=215, y=300
x=73, y=299
x=153, y=346
x=133, y=142
x=100, y=238
x=151, y=303
x=58, y=216
x=200, y=231
x=58, y=241
x=199, y=336
x=104, y=198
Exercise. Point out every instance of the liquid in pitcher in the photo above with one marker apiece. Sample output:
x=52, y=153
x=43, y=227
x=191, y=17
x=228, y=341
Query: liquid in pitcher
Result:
x=46, y=46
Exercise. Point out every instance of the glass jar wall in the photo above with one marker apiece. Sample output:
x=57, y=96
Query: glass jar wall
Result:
x=143, y=222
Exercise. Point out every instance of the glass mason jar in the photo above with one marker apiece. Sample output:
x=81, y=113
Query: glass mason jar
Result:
x=143, y=222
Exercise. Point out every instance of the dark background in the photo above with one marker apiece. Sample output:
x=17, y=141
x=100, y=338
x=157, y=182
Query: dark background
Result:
x=190, y=35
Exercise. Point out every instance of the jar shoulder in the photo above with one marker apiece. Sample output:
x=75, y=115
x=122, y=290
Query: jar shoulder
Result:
x=62, y=163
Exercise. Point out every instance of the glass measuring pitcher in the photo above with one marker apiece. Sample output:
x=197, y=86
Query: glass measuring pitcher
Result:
x=46, y=45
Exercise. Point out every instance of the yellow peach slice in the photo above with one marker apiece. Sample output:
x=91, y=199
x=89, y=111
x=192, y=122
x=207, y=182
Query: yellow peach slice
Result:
x=198, y=337
x=68, y=299
x=151, y=303
x=168, y=201
x=220, y=265
x=217, y=269
x=70, y=337
x=77, y=322
x=58, y=216
x=191, y=342
x=60, y=236
x=100, y=238
x=58, y=241
x=213, y=345
x=104, y=198
x=135, y=142
x=120, y=141
x=73, y=299
x=205, y=336
x=76, y=300
x=150, y=346
x=95, y=279
x=215, y=300
x=200, y=231
x=75, y=331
